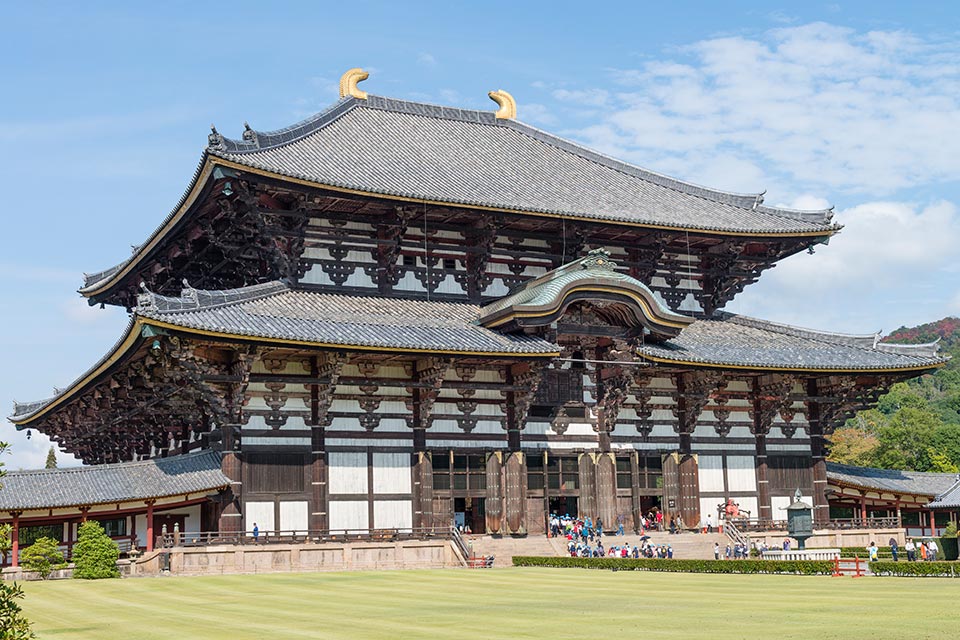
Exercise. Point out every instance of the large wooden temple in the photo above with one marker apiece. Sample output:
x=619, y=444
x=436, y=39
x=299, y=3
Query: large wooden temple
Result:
x=396, y=315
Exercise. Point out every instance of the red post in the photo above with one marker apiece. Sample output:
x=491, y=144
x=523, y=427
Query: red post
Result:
x=863, y=511
x=149, y=526
x=836, y=567
x=933, y=524
x=15, y=539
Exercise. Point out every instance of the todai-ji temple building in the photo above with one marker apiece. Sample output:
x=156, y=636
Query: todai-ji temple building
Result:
x=396, y=315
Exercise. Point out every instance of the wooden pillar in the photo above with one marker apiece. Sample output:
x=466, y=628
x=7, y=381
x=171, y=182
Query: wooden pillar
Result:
x=899, y=518
x=821, y=507
x=83, y=514
x=149, y=526
x=15, y=539
x=933, y=523
x=423, y=491
x=231, y=518
x=863, y=510
x=763, y=483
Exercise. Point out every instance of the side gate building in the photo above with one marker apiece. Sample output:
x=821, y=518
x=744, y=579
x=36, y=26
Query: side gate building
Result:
x=396, y=315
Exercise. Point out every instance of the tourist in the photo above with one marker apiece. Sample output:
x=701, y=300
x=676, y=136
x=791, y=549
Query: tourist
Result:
x=620, y=524
x=872, y=551
x=673, y=525
x=716, y=550
x=922, y=548
x=932, y=550
x=894, y=549
x=679, y=523
x=728, y=552
x=256, y=532
x=911, y=550
x=709, y=523
x=658, y=516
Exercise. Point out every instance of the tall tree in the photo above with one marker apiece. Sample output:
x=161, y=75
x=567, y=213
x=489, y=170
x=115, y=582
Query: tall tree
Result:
x=51, y=459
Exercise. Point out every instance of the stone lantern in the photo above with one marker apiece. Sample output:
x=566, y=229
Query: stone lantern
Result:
x=799, y=520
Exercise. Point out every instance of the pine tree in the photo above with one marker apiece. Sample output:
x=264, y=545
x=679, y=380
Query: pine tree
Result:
x=51, y=459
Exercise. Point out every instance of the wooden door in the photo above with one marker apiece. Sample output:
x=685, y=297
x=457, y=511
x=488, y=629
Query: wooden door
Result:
x=423, y=491
x=606, y=473
x=671, y=487
x=689, y=476
x=515, y=493
x=588, y=486
x=494, y=502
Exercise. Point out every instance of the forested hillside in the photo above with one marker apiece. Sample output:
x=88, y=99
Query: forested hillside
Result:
x=917, y=425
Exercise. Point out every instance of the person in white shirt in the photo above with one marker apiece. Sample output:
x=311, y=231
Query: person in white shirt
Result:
x=911, y=550
x=932, y=551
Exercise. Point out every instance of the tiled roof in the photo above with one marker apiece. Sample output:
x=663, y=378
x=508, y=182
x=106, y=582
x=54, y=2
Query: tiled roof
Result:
x=949, y=499
x=748, y=342
x=108, y=483
x=273, y=311
x=458, y=156
x=915, y=483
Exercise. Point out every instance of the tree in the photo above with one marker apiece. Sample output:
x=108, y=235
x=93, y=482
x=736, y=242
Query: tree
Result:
x=95, y=554
x=13, y=624
x=6, y=541
x=51, y=459
x=43, y=556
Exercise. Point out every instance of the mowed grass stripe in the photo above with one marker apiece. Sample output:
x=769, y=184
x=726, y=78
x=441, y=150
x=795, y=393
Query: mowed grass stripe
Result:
x=500, y=603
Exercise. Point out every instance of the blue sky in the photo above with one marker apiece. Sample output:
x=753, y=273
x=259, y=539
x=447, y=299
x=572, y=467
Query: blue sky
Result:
x=857, y=105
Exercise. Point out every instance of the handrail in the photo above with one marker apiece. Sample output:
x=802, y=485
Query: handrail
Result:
x=300, y=536
x=735, y=534
x=460, y=544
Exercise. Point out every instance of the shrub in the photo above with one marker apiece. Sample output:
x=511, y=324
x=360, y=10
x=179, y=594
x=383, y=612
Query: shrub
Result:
x=13, y=625
x=43, y=556
x=95, y=554
x=950, y=531
x=804, y=567
x=921, y=569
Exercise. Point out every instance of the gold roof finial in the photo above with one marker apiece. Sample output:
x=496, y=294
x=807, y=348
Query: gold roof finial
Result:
x=508, y=106
x=348, y=83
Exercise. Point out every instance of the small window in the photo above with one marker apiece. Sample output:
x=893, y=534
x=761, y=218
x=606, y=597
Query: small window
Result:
x=449, y=264
x=115, y=528
x=409, y=261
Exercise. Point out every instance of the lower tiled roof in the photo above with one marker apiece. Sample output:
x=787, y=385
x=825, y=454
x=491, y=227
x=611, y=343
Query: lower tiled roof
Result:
x=916, y=483
x=748, y=342
x=273, y=311
x=949, y=499
x=110, y=483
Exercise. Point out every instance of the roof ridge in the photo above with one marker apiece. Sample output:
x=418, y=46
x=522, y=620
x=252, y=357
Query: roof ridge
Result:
x=254, y=140
x=191, y=299
x=851, y=339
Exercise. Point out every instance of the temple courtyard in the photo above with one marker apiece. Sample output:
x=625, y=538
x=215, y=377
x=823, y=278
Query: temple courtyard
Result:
x=497, y=603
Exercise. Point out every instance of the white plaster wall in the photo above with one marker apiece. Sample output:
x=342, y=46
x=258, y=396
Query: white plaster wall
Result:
x=391, y=473
x=348, y=515
x=393, y=514
x=347, y=472
x=710, y=473
x=260, y=513
x=741, y=473
x=294, y=516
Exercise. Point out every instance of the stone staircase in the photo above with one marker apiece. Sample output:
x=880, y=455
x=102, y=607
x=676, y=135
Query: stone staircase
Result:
x=685, y=545
x=505, y=547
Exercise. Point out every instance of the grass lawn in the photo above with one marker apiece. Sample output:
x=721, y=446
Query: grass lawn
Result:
x=497, y=603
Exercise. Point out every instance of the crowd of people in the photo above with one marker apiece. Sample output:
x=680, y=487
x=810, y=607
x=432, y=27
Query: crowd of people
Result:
x=585, y=538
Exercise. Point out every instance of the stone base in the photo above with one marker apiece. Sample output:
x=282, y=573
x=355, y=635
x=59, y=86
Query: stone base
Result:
x=279, y=558
x=801, y=554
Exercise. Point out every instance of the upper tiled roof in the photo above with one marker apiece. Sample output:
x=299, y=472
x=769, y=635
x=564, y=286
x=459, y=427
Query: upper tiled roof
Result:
x=914, y=483
x=459, y=156
x=273, y=311
x=748, y=342
x=948, y=499
x=109, y=483
x=403, y=149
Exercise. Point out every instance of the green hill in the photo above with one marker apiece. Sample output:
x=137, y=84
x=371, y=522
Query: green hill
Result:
x=917, y=424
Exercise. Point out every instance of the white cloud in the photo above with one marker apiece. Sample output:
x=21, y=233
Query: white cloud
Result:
x=879, y=273
x=426, y=59
x=817, y=104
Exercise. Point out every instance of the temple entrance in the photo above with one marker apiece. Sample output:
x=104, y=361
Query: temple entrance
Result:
x=564, y=506
x=470, y=515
